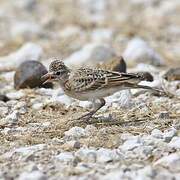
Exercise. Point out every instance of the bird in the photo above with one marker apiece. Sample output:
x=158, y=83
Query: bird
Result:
x=92, y=84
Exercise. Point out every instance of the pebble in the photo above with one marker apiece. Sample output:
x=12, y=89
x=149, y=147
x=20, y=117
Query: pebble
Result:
x=4, y=98
x=27, y=153
x=73, y=144
x=75, y=132
x=101, y=35
x=37, y=106
x=175, y=143
x=131, y=144
x=172, y=74
x=172, y=162
x=63, y=99
x=123, y=98
x=15, y=95
x=86, y=155
x=90, y=54
x=81, y=168
x=25, y=29
x=28, y=75
x=65, y=157
x=13, y=117
x=107, y=155
x=144, y=151
x=117, y=64
x=90, y=129
x=138, y=51
x=169, y=134
x=32, y=175
x=156, y=133
x=3, y=111
x=28, y=51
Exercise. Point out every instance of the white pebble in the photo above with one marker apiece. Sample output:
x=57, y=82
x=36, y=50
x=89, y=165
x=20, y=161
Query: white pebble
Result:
x=13, y=117
x=169, y=134
x=86, y=155
x=28, y=51
x=34, y=175
x=15, y=95
x=138, y=51
x=175, y=143
x=37, y=106
x=156, y=133
x=171, y=162
x=65, y=157
x=131, y=144
x=90, y=54
x=76, y=132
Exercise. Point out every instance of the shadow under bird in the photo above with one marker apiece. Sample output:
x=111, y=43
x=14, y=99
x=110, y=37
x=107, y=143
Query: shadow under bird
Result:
x=87, y=84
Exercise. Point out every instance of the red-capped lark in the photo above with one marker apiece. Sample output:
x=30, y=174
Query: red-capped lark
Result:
x=93, y=85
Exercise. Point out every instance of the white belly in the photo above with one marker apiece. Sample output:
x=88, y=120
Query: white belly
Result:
x=91, y=95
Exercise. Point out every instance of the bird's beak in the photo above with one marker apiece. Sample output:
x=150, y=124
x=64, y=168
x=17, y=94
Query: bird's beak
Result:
x=47, y=78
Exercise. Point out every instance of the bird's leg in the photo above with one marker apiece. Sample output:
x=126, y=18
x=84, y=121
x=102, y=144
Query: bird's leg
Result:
x=97, y=106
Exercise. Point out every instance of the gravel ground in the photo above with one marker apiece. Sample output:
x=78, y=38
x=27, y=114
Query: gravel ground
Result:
x=135, y=136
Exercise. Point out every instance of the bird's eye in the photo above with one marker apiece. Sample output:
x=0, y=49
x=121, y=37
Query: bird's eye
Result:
x=58, y=73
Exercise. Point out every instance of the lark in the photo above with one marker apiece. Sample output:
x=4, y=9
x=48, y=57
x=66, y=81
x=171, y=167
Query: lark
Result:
x=88, y=84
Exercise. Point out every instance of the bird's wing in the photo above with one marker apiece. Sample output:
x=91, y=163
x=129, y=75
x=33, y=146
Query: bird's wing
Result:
x=94, y=79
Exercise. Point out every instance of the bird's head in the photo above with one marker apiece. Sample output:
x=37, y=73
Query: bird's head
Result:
x=57, y=71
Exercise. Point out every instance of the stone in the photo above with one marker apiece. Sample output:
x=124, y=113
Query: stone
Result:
x=131, y=144
x=172, y=162
x=156, y=133
x=138, y=51
x=3, y=111
x=63, y=99
x=81, y=168
x=75, y=132
x=117, y=64
x=28, y=51
x=4, y=98
x=175, y=143
x=13, y=117
x=173, y=74
x=107, y=155
x=146, y=173
x=101, y=35
x=144, y=151
x=123, y=98
x=65, y=157
x=90, y=54
x=37, y=106
x=86, y=155
x=32, y=175
x=15, y=95
x=169, y=134
x=25, y=151
x=90, y=129
x=25, y=29
x=28, y=75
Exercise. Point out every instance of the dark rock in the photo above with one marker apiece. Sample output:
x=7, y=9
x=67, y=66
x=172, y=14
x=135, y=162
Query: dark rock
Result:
x=28, y=75
x=146, y=76
x=4, y=98
x=120, y=66
x=116, y=64
x=172, y=74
